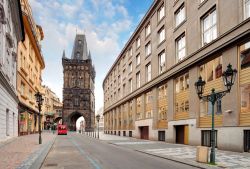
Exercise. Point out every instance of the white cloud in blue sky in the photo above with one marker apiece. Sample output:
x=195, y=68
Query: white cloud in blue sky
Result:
x=107, y=24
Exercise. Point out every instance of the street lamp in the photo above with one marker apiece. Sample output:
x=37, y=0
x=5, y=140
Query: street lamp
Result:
x=229, y=79
x=39, y=100
x=98, y=119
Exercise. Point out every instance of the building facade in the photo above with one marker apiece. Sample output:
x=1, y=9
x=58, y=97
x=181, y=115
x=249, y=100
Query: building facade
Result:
x=29, y=72
x=149, y=91
x=78, y=86
x=51, y=109
x=101, y=121
x=11, y=32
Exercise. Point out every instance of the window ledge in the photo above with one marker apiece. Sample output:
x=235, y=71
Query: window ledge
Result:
x=161, y=43
x=182, y=23
x=201, y=4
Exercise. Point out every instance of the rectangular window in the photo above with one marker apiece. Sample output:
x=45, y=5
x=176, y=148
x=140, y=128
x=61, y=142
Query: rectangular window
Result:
x=7, y=122
x=131, y=85
x=162, y=62
x=148, y=49
x=22, y=90
x=161, y=135
x=206, y=138
x=180, y=48
x=182, y=83
x=148, y=72
x=130, y=52
x=148, y=30
x=138, y=59
x=180, y=15
x=247, y=8
x=130, y=68
x=161, y=12
x=245, y=55
x=124, y=89
x=209, y=27
x=138, y=80
x=138, y=42
x=161, y=35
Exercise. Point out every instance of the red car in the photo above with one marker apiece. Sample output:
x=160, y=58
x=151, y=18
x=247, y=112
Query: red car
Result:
x=62, y=129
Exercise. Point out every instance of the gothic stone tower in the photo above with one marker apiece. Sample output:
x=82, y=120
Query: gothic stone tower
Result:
x=78, y=87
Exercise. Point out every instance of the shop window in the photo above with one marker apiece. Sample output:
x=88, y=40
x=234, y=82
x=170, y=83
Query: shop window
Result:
x=206, y=138
x=245, y=98
x=245, y=55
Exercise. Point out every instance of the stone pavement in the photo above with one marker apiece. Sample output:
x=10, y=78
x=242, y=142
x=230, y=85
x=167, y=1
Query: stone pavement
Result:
x=180, y=153
x=24, y=151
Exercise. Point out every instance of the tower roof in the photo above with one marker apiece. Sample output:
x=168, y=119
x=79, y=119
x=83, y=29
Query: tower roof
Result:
x=80, y=49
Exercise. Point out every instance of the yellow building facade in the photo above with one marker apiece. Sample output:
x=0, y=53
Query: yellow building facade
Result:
x=29, y=70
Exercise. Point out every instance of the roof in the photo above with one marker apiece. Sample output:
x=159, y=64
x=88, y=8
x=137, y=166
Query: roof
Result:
x=80, y=49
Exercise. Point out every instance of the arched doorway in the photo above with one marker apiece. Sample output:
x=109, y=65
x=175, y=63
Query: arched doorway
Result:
x=80, y=124
x=73, y=119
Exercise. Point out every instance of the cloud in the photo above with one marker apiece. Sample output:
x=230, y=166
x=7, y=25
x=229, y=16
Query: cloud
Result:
x=103, y=21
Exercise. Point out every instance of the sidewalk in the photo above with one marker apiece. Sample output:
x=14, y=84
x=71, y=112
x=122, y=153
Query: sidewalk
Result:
x=181, y=153
x=24, y=151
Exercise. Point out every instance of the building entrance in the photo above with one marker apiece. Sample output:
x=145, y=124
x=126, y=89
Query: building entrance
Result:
x=144, y=132
x=181, y=134
x=246, y=140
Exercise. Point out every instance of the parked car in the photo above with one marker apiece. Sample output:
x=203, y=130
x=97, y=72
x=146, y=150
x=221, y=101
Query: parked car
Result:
x=62, y=129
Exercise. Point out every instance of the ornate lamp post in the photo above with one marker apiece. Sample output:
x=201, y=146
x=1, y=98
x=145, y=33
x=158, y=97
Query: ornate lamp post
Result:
x=228, y=78
x=39, y=100
x=98, y=119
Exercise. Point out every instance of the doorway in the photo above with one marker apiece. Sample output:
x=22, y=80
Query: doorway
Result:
x=182, y=133
x=144, y=132
x=246, y=140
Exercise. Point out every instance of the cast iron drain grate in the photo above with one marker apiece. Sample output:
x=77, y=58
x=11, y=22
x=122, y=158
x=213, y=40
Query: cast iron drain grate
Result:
x=50, y=165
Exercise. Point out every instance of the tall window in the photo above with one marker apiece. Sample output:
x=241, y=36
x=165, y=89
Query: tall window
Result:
x=76, y=102
x=131, y=85
x=181, y=48
x=22, y=89
x=148, y=72
x=247, y=8
x=7, y=122
x=130, y=68
x=209, y=27
x=148, y=49
x=162, y=63
x=138, y=59
x=161, y=12
x=161, y=34
x=130, y=52
x=182, y=83
x=138, y=42
x=148, y=30
x=180, y=15
x=138, y=79
x=124, y=89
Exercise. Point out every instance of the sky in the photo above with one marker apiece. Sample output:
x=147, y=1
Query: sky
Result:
x=107, y=24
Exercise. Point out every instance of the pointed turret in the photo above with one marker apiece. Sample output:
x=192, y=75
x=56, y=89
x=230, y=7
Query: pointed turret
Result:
x=64, y=56
x=89, y=56
x=80, y=49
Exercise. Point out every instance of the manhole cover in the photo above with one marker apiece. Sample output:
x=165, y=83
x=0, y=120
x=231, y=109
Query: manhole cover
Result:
x=51, y=165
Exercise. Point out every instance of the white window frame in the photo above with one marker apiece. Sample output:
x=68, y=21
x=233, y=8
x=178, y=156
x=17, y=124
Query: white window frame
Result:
x=148, y=49
x=180, y=15
x=149, y=71
x=138, y=42
x=180, y=47
x=138, y=59
x=246, y=8
x=162, y=62
x=161, y=12
x=161, y=35
x=210, y=16
x=138, y=79
x=148, y=30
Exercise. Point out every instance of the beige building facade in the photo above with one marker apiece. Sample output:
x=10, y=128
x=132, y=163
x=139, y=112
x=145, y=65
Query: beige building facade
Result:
x=51, y=109
x=149, y=91
x=29, y=72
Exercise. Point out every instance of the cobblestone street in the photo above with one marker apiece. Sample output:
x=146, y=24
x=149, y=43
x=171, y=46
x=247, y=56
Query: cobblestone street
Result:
x=22, y=152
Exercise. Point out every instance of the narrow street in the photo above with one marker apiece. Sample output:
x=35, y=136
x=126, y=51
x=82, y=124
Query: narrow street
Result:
x=80, y=151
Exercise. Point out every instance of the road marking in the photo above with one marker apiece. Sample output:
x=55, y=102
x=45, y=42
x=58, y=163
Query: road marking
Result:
x=92, y=161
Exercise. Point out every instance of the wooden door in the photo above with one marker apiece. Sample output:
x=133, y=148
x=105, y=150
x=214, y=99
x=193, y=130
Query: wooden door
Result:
x=179, y=134
x=186, y=134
